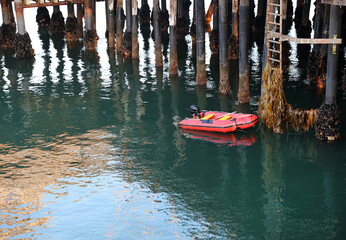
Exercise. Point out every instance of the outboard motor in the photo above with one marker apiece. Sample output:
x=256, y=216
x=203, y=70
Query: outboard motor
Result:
x=196, y=112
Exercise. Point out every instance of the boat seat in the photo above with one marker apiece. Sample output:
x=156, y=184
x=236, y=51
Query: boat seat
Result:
x=225, y=117
x=208, y=116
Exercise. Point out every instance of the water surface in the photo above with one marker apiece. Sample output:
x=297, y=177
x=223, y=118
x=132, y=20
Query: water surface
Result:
x=90, y=149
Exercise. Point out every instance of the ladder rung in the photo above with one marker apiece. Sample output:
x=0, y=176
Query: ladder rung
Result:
x=274, y=1
x=274, y=4
x=273, y=41
x=276, y=34
x=275, y=14
x=278, y=24
x=272, y=50
x=273, y=59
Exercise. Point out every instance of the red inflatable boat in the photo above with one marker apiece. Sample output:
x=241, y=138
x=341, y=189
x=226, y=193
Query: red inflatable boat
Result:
x=214, y=121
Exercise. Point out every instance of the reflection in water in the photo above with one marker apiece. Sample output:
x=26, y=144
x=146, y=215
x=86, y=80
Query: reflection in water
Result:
x=28, y=174
x=90, y=148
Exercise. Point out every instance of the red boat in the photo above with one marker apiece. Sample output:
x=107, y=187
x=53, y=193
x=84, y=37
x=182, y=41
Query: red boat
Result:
x=215, y=121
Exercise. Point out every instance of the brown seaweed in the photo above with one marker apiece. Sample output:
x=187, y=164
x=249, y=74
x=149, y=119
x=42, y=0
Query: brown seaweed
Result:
x=274, y=110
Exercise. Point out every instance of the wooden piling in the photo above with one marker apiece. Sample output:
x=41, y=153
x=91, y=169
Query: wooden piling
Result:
x=8, y=30
x=164, y=16
x=243, y=91
x=173, y=55
x=119, y=37
x=80, y=18
x=260, y=16
x=128, y=15
x=6, y=19
x=10, y=9
x=304, y=29
x=314, y=56
x=182, y=20
x=144, y=14
x=224, y=86
x=42, y=17
x=90, y=36
x=233, y=49
x=72, y=31
x=193, y=28
x=216, y=14
x=93, y=7
x=110, y=23
x=157, y=34
x=135, y=48
x=298, y=14
x=201, y=75
x=57, y=23
x=22, y=39
x=214, y=35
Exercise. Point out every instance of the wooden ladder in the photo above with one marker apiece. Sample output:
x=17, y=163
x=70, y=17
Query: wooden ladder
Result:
x=274, y=32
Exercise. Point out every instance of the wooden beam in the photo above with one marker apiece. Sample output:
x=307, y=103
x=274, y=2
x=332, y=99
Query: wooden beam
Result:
x=48, y=4
x=335, y=2
x=305, y=40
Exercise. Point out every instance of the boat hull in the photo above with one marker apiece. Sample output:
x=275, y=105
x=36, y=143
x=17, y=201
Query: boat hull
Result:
x=214, y=124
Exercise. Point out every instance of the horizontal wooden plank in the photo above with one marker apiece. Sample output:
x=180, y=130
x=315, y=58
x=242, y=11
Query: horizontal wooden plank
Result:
x=334, y=2
x=311, y=41
x=272, y=50
x=273, y=59
x=273, y=41
x=47, y=4
x=274, y=4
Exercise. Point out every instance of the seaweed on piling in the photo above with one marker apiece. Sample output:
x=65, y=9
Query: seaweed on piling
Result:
x=214, y=41
x=42, y=17
x=73, y=32
x=233, y=47
x=57, y=23
x=90, y=40
x=275, y=112
x=327, y=123
x=23, y=46
x=8, y=32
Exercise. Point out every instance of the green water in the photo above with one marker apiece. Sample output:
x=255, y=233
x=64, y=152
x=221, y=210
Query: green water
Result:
x=90, y=148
